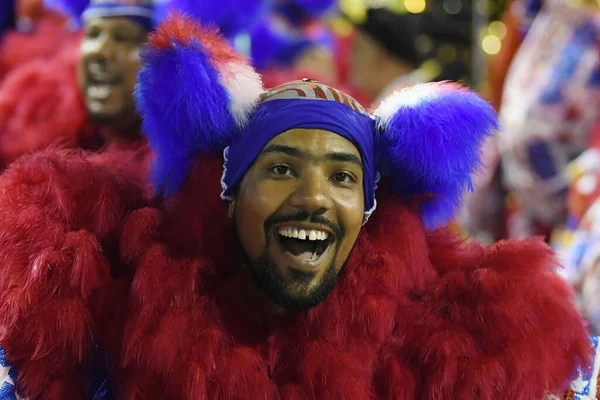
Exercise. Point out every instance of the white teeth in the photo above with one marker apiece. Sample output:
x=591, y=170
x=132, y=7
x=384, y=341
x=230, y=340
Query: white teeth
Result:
x=303, y=234
x=100, y=91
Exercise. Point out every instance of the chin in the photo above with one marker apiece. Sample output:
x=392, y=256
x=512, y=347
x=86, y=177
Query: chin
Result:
x=293, y=288
x=108, y=118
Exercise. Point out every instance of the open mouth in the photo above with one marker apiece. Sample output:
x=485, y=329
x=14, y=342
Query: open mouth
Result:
x=100, y=91
x=307, y=245
x=101, y=83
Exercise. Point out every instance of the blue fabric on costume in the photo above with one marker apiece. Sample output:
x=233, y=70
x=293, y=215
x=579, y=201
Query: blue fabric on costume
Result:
x=99, y=386
x=143, y=14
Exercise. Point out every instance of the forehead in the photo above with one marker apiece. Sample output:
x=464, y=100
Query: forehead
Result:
x=114, y=24
x=315, y=141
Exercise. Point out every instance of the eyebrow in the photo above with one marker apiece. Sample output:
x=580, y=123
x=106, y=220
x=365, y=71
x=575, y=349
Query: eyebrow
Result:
x=299, y=153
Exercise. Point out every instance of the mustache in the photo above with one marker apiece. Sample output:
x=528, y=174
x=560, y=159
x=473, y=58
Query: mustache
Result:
x=113, y=80
x=303, y=216
x=95, y=73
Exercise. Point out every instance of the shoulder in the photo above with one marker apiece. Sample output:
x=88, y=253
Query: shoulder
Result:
x=74, y=184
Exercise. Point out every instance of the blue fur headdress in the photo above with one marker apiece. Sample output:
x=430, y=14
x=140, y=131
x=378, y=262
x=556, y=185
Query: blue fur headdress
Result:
x=197, y=96
x=145, y=12
x=274, y=44
x=230, y=16
x=299, y=11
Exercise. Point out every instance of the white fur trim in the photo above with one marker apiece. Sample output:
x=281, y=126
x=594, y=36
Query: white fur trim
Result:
x=405, y=98
x=244, y=86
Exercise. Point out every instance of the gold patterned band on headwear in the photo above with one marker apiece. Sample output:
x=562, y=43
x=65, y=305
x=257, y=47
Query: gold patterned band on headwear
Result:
x=311, y=90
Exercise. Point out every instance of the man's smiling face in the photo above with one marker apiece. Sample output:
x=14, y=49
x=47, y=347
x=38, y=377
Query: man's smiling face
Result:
x=298, y=212
x=110, y=61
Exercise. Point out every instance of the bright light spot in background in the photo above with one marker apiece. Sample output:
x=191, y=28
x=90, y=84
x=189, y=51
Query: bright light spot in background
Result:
x=355, y=10
x=452, y=6
x=491, y=44
x=415, y=6
x=497, y=28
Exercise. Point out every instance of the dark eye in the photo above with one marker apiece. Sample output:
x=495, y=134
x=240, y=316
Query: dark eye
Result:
x=92, y=33
x=342, y=177
x=281, y=170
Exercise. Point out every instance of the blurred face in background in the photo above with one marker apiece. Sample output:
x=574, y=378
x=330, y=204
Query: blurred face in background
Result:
x=110, y=60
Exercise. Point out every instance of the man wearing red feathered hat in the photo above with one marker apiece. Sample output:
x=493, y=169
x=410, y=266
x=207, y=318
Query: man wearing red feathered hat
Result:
x=324, y=275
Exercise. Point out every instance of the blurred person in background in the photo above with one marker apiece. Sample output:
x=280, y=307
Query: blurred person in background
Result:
x=550, y=103
x=384, y=54
x=294, y=40
x=578, y=244
x=84, y=95
x=276, y=45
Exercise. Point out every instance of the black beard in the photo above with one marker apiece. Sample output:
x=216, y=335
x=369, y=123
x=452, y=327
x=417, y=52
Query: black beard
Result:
x=126, y=119
x=292, y=292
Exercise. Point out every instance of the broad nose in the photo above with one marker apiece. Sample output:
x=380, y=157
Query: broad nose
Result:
x=101, y=48
x=313, y=193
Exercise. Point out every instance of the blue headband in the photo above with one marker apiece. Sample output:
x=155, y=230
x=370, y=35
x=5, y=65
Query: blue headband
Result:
x=143, y=14
x=277, y=116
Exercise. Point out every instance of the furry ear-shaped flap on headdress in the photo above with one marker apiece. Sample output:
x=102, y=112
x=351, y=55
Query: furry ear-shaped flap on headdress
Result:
x=194, y=94
x=230, y=16
x=430, y=142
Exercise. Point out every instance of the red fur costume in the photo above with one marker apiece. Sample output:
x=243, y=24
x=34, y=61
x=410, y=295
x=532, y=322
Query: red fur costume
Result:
x=40, y=103
x=415, y=315
x=48, y=37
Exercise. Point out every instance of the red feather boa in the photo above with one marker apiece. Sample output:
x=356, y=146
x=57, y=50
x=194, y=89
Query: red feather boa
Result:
x=415, y=315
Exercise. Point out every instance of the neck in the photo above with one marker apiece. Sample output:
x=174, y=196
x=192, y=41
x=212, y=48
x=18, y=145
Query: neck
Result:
x=270, y=310
x=125, y=134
